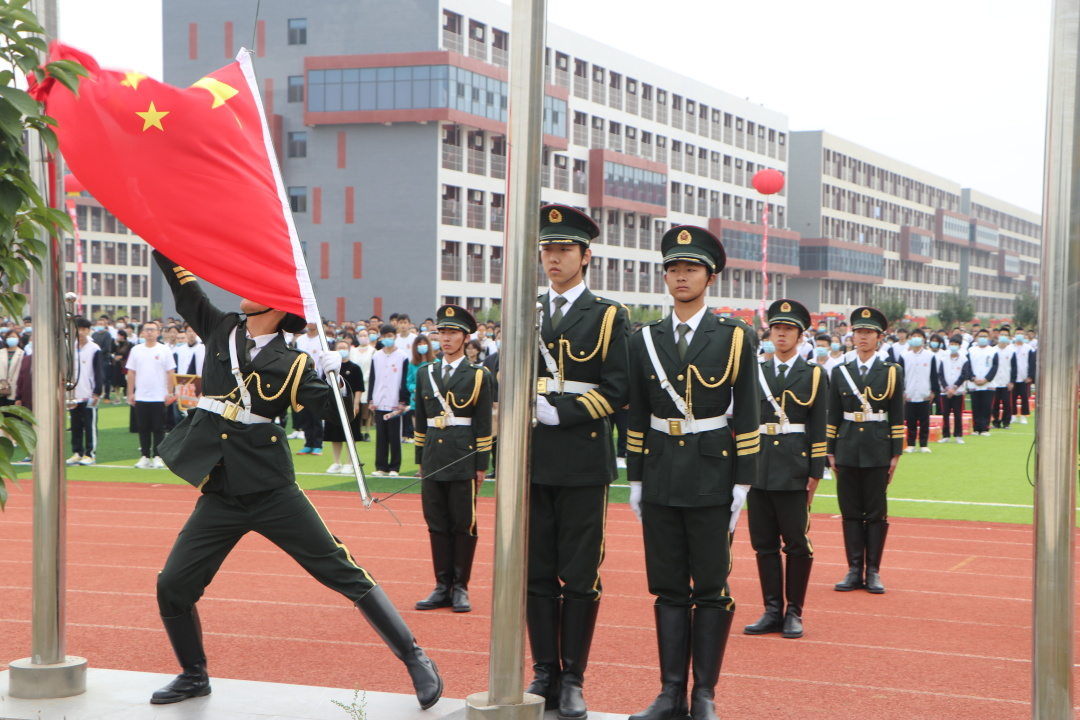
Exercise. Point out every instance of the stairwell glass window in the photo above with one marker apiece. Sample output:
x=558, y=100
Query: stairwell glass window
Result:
x=297, y=144
x=298, y=31
x=298, y=199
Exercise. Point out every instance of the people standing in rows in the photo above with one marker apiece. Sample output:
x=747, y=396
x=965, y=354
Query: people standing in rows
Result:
x=305, y=420
x=984, y=363
x=104, y=337
x=151, y=380
x=361, y=355
x=11, y=358
x=866, y=438
x=351, y=391
x=920, y=388
x=89, y=381
x=1001, y=411
x=121, y=350
x=453, y=443
x=954, y=373
x=795, y=394
x=1024, y=362
x=190, y=354
x=689, y=470
x=389, y=398
x=583, y=378
x=420, y=354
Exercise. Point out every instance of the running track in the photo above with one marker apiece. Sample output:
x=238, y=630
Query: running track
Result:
x=950, y=638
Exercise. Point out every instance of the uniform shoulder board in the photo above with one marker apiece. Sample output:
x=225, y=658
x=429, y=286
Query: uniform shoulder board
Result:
x=609, y=301
x=477, y=366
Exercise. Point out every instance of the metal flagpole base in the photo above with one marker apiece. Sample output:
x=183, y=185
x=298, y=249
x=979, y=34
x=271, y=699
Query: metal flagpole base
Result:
x=37, y=682
x=477, y=708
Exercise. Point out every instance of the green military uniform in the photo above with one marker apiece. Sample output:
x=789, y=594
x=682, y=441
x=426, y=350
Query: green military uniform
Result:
x=240, y=461
x=863, y=440
x=453, y=444
x=793, y=447
x=573, y=462
x=688, y=458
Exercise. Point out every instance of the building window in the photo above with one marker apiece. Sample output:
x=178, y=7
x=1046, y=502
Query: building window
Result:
x=121, y=254
x=451, y=260
x=298, y=199
x=298, y=31
x=296, y=88
x=297, y=144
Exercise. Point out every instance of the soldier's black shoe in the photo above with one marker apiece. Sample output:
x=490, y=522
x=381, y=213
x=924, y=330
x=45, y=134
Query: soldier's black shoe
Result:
x=542, y=620
x=185, y=634
x=387, y=622
x=464, y=550
x=709, y=640
x=875, y=547
x=797, y=578
x=442, y=557
x=855, y=547
x=673, y=641
x=575, y=641
x=771, y=574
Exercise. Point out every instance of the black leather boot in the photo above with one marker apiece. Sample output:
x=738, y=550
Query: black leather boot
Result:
x=442, y=557
x=854, y=545
x=771, y=573
x=542, y=620
x=797, y=578
x=875, y=546
x=673, y=640
x=710, y=634
x=464, y=550
x=386, y=621
x=185, y=634
x=576, y=633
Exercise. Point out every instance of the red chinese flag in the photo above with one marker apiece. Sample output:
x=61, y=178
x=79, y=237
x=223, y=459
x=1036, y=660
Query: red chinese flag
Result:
x=190, y=170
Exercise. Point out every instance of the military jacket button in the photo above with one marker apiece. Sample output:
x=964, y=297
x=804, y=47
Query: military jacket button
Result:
x=679, y=378
x=551, y=346
x=224, y=436
x=594, y=435
x=681, y=443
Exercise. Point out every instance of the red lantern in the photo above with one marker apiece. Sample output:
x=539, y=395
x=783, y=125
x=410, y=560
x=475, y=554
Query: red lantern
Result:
x=769, y=181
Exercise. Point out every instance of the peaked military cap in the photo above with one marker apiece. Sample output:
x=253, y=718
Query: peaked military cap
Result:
x=564, y=224
x=789, y=312
x=869, y=318
x=693, y=244
x=455, y=317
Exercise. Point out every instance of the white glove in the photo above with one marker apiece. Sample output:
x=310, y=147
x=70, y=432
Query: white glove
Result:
x=739, y=494
x=546, y=412
x=635, y=498
x=326, y=362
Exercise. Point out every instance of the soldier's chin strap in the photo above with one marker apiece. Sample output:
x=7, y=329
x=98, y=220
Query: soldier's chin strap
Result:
x=254, y=314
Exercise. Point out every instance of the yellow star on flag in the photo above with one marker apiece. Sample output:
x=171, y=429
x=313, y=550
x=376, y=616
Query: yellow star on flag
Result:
x=218, y=89
x=152, y=117
x=132, y=79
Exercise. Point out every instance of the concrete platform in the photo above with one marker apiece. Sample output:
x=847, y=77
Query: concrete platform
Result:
x=124, y=695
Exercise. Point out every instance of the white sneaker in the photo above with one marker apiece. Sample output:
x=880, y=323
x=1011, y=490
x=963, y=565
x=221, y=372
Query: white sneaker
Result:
x=960, y=441
x=1023, y=419
x=985, y=433
x=620, y=463
x=296, y=435
x=145, y=463
x=827, y=475
x=346, y=470
x=379, y=473
x=945, y=440
x=924, y=449
x=87, y=460
x=393, y=473
x=334, y=469
x=158, y=463
x=74, y=459
x=909, y=449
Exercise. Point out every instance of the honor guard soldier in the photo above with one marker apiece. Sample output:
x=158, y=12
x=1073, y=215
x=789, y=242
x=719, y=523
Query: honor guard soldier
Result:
x=453, y=445
x=238, y=458
x=792, y=462
x=583, y=379
x=689, y=470
x=866, y=437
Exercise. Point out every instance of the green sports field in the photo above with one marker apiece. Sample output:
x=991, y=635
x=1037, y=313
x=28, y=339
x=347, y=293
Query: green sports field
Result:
x=987, y=479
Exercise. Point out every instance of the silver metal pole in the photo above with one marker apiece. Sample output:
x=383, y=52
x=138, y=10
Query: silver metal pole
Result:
x=505, y=699
x=350, y=443
x=48, y=672
x=1058, y=366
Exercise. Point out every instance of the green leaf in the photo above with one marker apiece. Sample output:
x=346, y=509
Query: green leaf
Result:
x=50, y=138
x=20, y=412
x=11, y=198
x=3, y=494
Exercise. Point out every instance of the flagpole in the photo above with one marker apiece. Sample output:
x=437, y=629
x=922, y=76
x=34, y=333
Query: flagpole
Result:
x=350, y=444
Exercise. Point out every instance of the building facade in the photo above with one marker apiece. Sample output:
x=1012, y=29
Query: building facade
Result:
x=391, y=132
x=868, y=221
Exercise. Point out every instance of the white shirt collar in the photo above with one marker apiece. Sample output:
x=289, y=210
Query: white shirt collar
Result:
x=692, y=322
x=453, y=365
x=260, y=340
x=869, y=364
x=790, y=364
x=571, y=295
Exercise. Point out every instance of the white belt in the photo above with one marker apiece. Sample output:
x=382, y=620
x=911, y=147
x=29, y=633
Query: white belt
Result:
x=782, y=428
x=680, y=426
x=548, y=385
x=231, y=411
x=867, y=417
x=444, y=421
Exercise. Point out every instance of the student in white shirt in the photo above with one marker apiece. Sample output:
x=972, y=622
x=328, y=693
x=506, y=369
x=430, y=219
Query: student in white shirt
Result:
x=983, y=361
x=954, y=372
x=1001, y=411
x=920, y=387
x=151, y=379
x=362, y=355
x=1023, y=375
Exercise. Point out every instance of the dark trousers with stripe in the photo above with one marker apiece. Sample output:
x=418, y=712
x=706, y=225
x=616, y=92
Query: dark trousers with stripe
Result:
x=917, y=417
x=566, y=540
x=83, y=429
x=861, y=492
x=1022, y=391
x=980, y=409
x=954, y=411
x=284, y=516
x=688, y=555
x=449, y=506
x=777, y=515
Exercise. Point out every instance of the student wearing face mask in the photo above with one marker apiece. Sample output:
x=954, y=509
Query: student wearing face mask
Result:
x=983, y=360
x=1023, y=374
x=333, y=430
x=920, y=387
x=1001, y=411
x=767, y=348
x=12, y=366
x=361, y=355
x=954, y=371
x=389, y=399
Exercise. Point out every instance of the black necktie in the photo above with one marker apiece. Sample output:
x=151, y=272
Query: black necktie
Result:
x=682, y=345
x=862, y=372
x=781, y=371
x=557, y=316
x=247, y=351
x=446, y=374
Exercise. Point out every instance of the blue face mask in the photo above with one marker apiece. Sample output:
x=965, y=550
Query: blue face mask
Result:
x=835, y=347
x=984, y=341
x=435, y=345
x=821, y=351
x=422, y=349
x=385, y=343
x=142, y=341
x=1003, y=341
x=954, y=349
x=344, y=354
x=935, y=344
x=12, y=342
x=373, y=336
x=914, y=342
x=768, y=346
